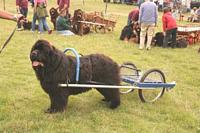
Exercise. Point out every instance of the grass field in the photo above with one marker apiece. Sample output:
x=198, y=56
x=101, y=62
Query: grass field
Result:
x=22, y=101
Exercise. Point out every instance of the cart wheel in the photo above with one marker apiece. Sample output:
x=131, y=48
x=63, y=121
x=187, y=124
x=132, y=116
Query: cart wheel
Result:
x=151, y=95
x=127, y=70
x=99, y=29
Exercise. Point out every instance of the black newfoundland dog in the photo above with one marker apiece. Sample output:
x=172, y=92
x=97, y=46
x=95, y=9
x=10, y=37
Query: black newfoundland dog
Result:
x=53, y=67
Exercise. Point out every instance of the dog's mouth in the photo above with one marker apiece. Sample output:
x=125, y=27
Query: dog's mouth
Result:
x=36, y=64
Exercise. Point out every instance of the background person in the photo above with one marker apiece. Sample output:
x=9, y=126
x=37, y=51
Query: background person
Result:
x=198, y=15
x=139, y=3
x=133, y=16
x=63, y=23
x=41, y=12
x=22, y=8
x=192, y=16
x=148, y=15
x=63, y=5
x=169, y=27
x=34, y=18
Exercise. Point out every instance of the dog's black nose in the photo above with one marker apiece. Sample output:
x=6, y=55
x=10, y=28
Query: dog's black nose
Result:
x=33, y=55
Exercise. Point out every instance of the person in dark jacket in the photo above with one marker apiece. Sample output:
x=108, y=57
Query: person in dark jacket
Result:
x=63, y=22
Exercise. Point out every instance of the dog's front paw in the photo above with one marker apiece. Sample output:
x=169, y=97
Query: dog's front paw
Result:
x=50, y=110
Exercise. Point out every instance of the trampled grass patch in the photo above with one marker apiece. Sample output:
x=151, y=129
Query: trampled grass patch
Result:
x=22, y=101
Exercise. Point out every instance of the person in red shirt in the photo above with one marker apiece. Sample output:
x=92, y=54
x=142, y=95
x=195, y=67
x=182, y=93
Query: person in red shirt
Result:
x=63, y=5
x=22, y=8
x=169, y=27
x=133, y=16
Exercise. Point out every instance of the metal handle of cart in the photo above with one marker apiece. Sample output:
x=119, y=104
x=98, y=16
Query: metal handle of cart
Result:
x=77, y=62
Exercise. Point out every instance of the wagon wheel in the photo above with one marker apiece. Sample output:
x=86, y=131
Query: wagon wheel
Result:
x=151, y=95
x=127, y=70
x=99, y=29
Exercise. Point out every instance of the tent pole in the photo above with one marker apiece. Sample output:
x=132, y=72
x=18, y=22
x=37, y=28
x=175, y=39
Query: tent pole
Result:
x=106, y=6
x=83, y=2
x=4, y=5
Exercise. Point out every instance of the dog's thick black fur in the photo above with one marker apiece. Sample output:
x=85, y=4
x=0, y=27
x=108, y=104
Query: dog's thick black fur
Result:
x=127, y=32
x=53, y=67
x=54, y=14
x=28, y=25
x=182, y=43
x=158, y=39
x=130, y=31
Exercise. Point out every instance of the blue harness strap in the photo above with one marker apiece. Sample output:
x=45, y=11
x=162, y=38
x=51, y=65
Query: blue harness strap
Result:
x=77, y=62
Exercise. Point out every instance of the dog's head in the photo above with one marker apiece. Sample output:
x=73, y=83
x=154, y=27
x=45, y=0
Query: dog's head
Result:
x=41, y=53
x=53, y=13
x=78, y=15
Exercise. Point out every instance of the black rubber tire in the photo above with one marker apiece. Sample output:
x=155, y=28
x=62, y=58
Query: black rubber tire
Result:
x=133, y=69
x=162, y=90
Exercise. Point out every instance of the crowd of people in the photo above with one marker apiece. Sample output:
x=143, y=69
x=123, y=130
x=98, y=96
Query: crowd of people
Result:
x=194, y=15
x=142, y=19
x=40, y=13
x=146, y=16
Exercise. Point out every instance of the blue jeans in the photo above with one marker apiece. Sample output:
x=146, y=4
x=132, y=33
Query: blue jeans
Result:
x=33, y=22
x=43, y=24
x=24, y=11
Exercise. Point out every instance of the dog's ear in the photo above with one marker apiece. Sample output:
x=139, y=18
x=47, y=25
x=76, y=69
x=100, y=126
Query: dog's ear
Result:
x=52, y=50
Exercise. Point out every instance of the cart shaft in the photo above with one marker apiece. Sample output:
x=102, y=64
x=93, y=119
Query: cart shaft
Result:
x=114, y=86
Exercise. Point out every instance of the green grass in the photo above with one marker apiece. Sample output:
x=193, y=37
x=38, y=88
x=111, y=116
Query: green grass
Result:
x=22, y=101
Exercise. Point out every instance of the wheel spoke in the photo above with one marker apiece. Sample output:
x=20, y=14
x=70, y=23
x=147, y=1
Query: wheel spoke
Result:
x=128, y=70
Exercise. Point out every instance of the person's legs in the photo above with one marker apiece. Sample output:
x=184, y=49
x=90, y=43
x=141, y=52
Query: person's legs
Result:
x=45, y=23
x=150, y=33
x=25, y=12
x=40, y=26
x=174, y=38
x=142, y=35
x=166, y=38
x=33, y=22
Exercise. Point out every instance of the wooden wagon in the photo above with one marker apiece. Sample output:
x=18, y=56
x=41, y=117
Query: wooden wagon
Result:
x=190, y=32
x=94, y=21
